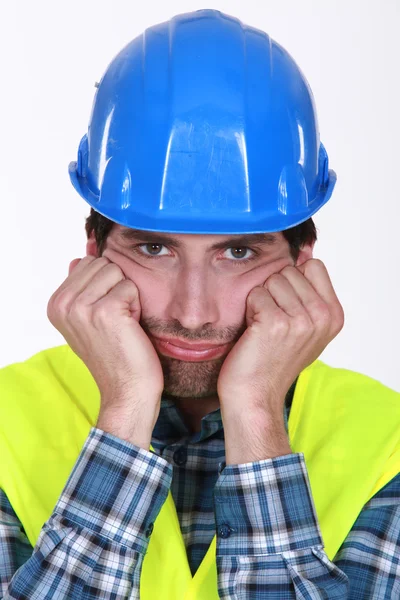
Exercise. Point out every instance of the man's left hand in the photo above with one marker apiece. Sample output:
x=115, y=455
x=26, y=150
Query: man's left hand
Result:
x=290, y=319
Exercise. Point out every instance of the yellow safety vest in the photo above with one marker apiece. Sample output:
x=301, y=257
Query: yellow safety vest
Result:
x=346, y=424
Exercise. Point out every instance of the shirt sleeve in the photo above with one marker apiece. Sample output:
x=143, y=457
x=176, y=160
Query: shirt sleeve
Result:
x=94, y=542
x=269, y=543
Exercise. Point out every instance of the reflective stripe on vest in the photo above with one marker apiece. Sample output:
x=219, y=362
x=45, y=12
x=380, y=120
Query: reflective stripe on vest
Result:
x=346, y=424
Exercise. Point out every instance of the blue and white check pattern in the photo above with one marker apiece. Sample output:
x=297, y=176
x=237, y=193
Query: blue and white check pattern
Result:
x=268, y=540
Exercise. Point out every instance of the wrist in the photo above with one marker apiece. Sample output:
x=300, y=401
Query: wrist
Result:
x=245, y=443
x=138, y=436
x=249, y=454
x=127, y=421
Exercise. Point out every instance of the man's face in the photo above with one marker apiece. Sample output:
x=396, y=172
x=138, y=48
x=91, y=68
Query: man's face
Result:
x=193, y=288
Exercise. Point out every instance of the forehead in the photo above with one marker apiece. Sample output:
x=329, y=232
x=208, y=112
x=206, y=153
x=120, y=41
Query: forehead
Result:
x=206, y=241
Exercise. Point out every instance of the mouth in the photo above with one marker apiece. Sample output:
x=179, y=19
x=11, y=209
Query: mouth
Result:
x=190, y=352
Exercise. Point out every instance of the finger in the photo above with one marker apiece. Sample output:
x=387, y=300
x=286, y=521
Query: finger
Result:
x=78, y=264
x=126, y=294
x=260, y=306
x=73, y=264
x=102, y=282
x=303, y=288
x=260, y=299
x=316, y=273
x=81, y=274
x=285, y=295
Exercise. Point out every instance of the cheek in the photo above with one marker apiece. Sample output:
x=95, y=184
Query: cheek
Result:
x=236, y=291
x=232, y=298
x=154, y=292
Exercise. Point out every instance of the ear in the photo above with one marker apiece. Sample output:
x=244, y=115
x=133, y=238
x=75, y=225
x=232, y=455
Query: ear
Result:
x=91, y=246
x=305, y=254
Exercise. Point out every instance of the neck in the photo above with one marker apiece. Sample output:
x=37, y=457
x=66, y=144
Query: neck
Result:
x=194, y=409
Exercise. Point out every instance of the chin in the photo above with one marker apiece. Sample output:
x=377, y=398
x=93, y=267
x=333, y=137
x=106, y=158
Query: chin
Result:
x=190, y=379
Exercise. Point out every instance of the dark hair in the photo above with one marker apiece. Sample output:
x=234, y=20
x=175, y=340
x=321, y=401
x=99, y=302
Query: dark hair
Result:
x=297, y=236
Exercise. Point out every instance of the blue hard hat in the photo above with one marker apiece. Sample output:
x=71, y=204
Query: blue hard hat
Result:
x=203, y=125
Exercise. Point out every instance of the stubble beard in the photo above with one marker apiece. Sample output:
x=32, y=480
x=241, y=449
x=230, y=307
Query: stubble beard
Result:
x=184, y=379
x=190, y=379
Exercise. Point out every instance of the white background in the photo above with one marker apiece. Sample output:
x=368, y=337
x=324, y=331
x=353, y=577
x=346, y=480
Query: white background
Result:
x=53, y=52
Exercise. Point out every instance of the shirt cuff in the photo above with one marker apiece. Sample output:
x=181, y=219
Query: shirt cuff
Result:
x=116, y=490
x=265, y=507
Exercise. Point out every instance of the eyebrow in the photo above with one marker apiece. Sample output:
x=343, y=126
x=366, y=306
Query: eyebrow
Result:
x=238, y=241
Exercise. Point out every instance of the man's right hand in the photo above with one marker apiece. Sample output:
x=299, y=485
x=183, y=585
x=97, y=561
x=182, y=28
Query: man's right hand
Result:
x=97, y=310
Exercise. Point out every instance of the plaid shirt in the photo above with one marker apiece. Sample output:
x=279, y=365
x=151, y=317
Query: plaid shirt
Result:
x=269, y=543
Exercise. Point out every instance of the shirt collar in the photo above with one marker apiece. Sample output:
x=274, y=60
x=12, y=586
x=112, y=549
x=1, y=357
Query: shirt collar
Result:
x=170, y=424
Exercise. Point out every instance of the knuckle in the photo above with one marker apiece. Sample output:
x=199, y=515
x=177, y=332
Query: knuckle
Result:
x=287, y=269
x=114, y=269
x=86, y=261
x=103, y=261
x=256, y=295
x=78, y=310
x=51, y=314
x=272, y=280
x=100, y=314
x=274, y=277
x=256, y=291
x=60, y=302
x=302, y=325
x=315, y=267
x=130, y=286
x=280, y=324
x=322, y=314
x=339, y=319
x=317, y=262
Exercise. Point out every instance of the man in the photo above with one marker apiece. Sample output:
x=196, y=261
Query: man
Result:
x=187, y=442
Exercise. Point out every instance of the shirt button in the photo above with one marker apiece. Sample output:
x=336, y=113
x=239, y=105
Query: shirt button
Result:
x=224, y=531
x=149, y=530
x=180, y=456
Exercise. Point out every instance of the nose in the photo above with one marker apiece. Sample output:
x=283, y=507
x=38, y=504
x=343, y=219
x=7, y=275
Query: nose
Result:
x=194, y=301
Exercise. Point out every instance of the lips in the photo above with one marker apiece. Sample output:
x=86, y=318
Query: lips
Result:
x=189, y=345
x=190, y=352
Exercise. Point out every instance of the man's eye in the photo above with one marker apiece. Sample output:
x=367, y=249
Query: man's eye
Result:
x=150, y=249
x=240, y=254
